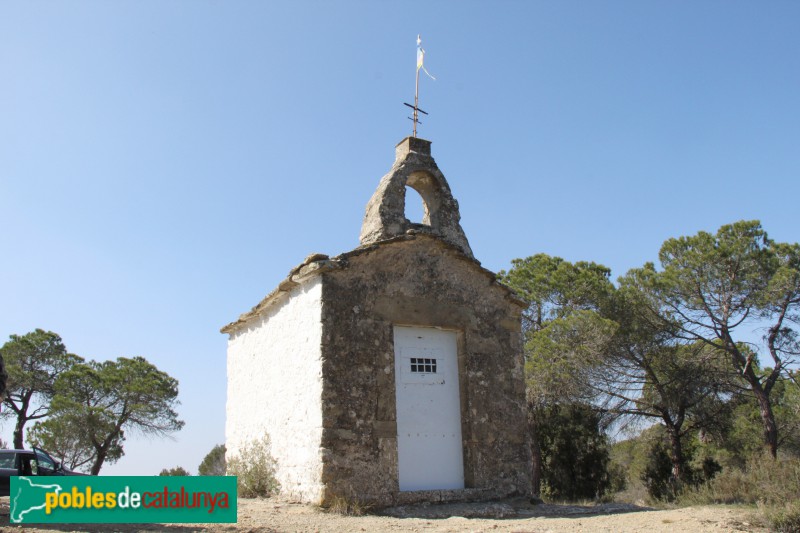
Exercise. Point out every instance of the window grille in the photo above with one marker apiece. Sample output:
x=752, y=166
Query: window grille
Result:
x=423, y=365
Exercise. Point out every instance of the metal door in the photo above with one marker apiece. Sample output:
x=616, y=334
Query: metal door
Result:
x=429, y=446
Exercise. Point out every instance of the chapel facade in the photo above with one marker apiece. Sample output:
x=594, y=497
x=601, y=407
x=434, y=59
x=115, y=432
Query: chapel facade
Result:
x=392, y=373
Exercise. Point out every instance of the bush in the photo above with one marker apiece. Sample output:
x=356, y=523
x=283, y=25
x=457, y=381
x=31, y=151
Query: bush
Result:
x=764, y=479
x=772, y=484
x=783, y=519
x=631, y=457
x=575, y=453
x=617, y=478
x=254, y=468
x=177, y=471
x=214, y=463
x=657, y=476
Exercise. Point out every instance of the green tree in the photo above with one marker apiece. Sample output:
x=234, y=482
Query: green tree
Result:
x=64, y=436
x=564, y=334
x=631, y=455
x=575, y=453
x=592, y=343
x=33, y=362
x=214, y=463
x=741, y=435
x=649, y=373
x=555, y=288
x=714, y=286
x=106, y=399
x=789, y=415
x=3, y=379
x=658, y=473
x=177, y=471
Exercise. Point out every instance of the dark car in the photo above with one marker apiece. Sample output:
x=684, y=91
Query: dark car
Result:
x=28, y=463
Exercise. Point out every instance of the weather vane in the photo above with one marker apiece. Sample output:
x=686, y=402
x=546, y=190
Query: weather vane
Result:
x=420, y=66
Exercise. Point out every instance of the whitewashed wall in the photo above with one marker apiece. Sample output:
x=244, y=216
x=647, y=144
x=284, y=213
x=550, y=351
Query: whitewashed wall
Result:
x=275, y=387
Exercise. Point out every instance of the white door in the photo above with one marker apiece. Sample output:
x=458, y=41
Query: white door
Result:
x=429, y=448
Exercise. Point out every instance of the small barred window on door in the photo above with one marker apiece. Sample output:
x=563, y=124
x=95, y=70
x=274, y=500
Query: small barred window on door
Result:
x=423, y=365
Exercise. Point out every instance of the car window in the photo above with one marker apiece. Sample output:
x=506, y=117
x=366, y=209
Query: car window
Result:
x=7, y=460
x=44, y=460
x=28, y=466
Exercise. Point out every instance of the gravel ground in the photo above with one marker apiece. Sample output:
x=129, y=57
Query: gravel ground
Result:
x=256, y=515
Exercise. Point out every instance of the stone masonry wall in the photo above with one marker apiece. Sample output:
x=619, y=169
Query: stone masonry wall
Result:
x=418, y=280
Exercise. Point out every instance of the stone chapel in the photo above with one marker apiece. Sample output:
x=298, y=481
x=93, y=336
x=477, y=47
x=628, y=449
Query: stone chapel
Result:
x=392, y=373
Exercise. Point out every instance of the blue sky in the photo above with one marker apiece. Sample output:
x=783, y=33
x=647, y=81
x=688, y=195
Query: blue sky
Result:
x=163, y=165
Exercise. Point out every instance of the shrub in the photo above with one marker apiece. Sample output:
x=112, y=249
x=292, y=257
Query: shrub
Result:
x=575, y=453
x=783, y=518
x=657, y=475
x=348, y=507
x=177, y=471
x=764, y=479
x=254, y=468
x=658, y=478
x=617, y=478
x=772, y=484
x=214, y=463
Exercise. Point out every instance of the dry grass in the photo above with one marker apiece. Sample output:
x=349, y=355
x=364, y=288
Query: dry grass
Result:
x=348, y=507
x=773, y=485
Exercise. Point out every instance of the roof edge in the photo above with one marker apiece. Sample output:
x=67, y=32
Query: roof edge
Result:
x=311, y=267
x=316, y=264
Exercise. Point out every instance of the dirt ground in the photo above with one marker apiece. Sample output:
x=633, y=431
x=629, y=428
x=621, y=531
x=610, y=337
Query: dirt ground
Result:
x=257, y=515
